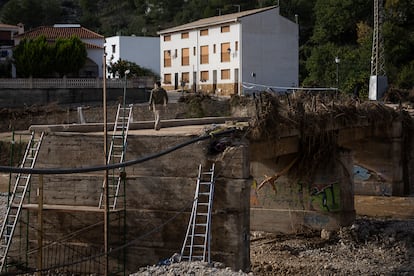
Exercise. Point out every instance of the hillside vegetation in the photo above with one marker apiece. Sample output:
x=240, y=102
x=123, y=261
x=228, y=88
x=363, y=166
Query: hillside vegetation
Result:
x=328, y=29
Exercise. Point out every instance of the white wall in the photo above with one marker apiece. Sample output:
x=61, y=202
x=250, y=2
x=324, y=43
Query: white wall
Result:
x=214, y=37
x=144, y=51
x=96, y=56
x=270, y=49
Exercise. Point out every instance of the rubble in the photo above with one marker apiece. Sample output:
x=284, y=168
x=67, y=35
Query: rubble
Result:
x=368, y=247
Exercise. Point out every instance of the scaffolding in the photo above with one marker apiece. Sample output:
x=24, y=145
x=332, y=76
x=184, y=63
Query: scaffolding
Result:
x=35, y=248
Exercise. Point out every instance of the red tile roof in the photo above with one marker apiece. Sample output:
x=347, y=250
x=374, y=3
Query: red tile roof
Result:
x=51, y=32
x=216, y=20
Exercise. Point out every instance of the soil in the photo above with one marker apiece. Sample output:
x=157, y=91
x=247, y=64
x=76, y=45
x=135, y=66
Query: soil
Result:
x=368, y=247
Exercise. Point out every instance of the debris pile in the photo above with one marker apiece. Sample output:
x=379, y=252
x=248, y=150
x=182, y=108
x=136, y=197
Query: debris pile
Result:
x=312, y=114
x=189, y=268
x=368, y=247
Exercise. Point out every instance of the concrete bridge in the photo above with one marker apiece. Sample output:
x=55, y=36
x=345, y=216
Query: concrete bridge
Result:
x=261, y=183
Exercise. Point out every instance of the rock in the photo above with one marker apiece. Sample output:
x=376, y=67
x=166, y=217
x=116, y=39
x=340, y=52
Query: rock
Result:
x=326, y=234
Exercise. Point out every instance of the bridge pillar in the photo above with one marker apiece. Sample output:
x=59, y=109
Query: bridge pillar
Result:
x=397, y=181
x=291, y=203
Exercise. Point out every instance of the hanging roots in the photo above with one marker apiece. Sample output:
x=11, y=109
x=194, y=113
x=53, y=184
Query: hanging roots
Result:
x=317, y=118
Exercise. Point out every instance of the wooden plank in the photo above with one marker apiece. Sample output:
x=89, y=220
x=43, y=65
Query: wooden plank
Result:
x=66, y=208
x=382, y=206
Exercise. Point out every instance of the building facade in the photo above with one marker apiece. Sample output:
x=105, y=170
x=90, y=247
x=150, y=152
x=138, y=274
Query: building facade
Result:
x=144, y=51
x=94, y=44
x=225, y=54
x=7, y=34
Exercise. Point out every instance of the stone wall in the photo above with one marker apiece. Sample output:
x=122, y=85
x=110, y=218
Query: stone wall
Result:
x=156, y=191
x=380, y=160
x=292, y=204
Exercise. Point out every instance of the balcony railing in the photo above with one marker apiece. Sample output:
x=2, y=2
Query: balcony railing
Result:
x=71, y=83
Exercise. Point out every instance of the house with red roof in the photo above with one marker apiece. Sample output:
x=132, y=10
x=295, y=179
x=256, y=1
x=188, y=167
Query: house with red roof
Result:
x=94, y=43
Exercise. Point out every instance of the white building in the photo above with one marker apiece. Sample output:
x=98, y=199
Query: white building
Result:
x=144, y=51
x=219, y=54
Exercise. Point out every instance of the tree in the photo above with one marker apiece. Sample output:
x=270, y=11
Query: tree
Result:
x=118, y=69
x=33, y=58
x=37, y=58
x=28, y=12
x=398, y=33
x=70, y=55
x=89, y=15
x=51, y=12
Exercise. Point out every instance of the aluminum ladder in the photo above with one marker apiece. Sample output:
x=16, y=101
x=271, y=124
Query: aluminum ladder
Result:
x=17, y=196
x=196, y=246
x=116, y=154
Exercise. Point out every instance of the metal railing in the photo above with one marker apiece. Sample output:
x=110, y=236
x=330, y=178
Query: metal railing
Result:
x=68, y=83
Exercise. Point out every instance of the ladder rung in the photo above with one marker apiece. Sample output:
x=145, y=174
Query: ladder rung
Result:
x=204, y=193
x=204, y=204
x=202, y=214
x=201, y=224
x=198, y=246
x=206, y=183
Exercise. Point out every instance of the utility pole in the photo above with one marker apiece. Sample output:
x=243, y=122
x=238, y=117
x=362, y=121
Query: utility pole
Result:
x=378, y=81
x=106, y=191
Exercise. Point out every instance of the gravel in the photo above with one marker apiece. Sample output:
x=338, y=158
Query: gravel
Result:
x=189, y=268
x=368, y=247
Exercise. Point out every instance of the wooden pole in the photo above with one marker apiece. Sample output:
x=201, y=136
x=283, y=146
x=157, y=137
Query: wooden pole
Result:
x=40, y=225
x=106, y=192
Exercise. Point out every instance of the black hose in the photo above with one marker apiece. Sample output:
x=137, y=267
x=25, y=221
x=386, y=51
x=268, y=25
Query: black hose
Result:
x=111, y=166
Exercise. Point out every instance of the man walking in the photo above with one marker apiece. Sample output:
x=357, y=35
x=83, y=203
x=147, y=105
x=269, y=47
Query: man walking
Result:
x=158, y=99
